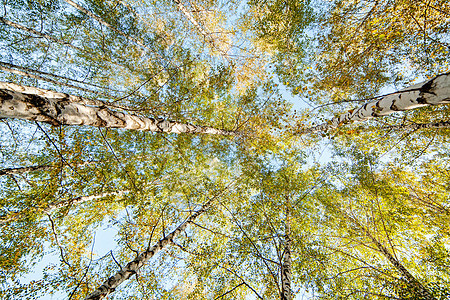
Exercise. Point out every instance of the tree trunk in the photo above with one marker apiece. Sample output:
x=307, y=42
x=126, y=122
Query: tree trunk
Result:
x=191, y=19
x=78, y=200
x=432, y=92
x=132, y=267
x=55, y=108
x=286, y=267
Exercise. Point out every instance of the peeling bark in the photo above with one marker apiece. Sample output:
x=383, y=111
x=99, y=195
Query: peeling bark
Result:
x=28, y=72
x=432, y=92
x=55, y=108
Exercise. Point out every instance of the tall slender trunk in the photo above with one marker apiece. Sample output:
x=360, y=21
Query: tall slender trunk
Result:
x=85, y=101
x=21, y=170
x=286, y=266
x=191, y=19
x=78, y=200
x=432, y=92
x=40, y=105
x=60, y=204
x=132, y=267
x=418, y=287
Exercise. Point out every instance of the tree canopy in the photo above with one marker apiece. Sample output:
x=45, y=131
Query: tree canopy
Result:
x=224, y=149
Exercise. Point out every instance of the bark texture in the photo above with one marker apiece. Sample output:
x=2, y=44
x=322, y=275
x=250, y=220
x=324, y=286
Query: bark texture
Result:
x=55, y=108
x=21, y=170
x=417, y=126
x=432, y=92
x=132, y=267
x=35, y=32
x=286, y=267
x=57, y=205
x=29, y=73
x=418, y=287
x=206, y=35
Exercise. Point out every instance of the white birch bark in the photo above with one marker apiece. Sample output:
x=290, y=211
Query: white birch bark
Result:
x=432, y=92
x=29, y=103
x=133, y=267
x=22, y=170
x=191, y=19
x=78, y=200
x=286, y=267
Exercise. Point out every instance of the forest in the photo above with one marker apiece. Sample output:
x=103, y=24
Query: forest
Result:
x=225, y=149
